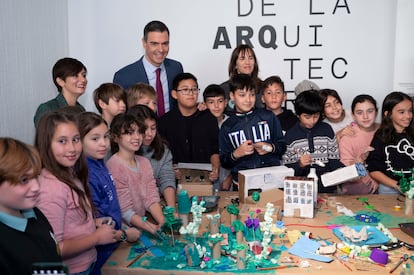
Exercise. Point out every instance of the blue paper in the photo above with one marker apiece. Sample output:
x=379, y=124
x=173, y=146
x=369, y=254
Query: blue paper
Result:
x=148, y=243
x=157, y=252
x=306, y=248
x=375, y=237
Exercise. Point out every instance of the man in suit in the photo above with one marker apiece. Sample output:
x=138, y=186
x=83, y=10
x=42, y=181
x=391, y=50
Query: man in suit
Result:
x=156, y=43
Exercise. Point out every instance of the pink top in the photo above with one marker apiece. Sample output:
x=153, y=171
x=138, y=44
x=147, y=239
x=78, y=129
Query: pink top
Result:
x=135, y=186
x=60, y=206
x=350, y=149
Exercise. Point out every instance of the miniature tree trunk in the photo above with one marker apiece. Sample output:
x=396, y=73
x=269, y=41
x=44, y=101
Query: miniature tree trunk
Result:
x=192, y=255
x=241, y=259
x=184, y=218
x=217, y=251
x=239, y=237
x=232, y=218
x=214, y=226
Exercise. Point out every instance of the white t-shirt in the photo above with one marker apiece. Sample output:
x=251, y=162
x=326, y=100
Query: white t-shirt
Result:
x=342, y=124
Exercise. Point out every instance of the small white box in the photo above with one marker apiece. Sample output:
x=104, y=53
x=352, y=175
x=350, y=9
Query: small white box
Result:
x=344, y=174
x=262, y=179
x=298, y=197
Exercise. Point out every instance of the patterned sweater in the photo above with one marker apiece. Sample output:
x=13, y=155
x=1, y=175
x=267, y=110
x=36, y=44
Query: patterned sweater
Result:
x=320, y=142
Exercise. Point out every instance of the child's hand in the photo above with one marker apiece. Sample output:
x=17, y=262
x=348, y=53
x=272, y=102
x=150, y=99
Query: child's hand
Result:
x=177, y=172
x=132, y=234
x=374, y=186
x=363, y=157
x=104, y=220
x=263, y=148
x=245, y=149
x=305, y=160
x=226, y=184
x=201, y=106
x=214, y=174
x=347, y=131
x=151, y=228
x=105, y=234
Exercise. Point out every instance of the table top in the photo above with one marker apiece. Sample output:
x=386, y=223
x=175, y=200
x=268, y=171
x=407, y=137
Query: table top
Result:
x=384, y=207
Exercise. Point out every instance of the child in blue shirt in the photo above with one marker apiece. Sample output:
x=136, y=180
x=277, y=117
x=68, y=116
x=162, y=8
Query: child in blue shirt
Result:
x=250, y=138
x=95, y=137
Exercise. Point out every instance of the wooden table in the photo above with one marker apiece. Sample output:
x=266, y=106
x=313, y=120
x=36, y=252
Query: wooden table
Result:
x=116, y=265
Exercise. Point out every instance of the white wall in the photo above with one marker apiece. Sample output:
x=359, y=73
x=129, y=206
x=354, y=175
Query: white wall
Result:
x=404, y=45
x=33, y=36
x=106, y=34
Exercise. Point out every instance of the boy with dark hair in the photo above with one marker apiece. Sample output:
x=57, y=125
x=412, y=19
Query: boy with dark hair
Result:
x=110, y=100
x=250, y=138
x=311, y=141
x=192, y=135
x=273, y=97
x=215, y=100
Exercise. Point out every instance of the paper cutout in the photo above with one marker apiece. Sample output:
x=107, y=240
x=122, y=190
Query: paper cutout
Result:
x=306, y=248
x=375, y=236
x=353, y=236
x=342, y=209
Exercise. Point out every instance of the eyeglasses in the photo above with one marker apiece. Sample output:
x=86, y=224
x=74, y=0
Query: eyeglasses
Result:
x=187, y=91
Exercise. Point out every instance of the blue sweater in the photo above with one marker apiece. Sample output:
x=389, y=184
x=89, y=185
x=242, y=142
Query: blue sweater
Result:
x=106, y=204
x=258, y=125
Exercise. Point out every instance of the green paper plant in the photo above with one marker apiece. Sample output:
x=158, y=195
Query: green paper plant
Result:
x=406, y=183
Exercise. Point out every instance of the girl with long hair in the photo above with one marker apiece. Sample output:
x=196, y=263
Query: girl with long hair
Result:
x=65, y=194
x=393, y=144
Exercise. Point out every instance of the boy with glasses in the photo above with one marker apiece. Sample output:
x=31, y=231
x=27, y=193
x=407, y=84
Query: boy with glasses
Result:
x=192, y=135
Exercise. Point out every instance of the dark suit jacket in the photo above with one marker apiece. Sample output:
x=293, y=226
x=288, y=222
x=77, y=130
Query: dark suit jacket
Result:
x=135, y=72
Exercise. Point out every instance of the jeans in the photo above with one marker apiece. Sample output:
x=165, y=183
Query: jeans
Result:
x=385, y=189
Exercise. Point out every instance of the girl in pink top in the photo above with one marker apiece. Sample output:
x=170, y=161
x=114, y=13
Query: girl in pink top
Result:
x=355, y=148
x=65, y=195
x=133, y=175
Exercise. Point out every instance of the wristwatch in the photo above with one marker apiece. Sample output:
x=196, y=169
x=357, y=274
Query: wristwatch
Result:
x=123, y=236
